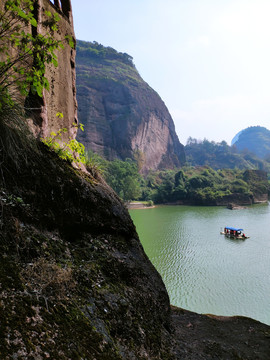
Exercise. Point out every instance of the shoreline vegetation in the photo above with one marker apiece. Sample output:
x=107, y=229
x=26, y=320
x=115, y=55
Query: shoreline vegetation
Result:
x=140, y=205
x=190, y=185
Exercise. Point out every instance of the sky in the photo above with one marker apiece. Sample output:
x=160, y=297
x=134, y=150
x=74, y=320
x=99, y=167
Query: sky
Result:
x=209, y=60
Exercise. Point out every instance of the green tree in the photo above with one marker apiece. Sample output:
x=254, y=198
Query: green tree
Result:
x=124, y=178
x=164, y=190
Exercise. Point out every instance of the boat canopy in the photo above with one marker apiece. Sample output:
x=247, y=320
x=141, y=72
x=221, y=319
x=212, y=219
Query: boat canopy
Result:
x=233, y=229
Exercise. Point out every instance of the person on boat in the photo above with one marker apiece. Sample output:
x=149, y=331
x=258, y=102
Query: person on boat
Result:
x=244, y=235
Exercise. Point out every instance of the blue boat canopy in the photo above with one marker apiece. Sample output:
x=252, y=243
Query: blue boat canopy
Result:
x=233, y=229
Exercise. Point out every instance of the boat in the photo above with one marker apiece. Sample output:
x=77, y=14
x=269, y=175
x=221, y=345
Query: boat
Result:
x=234, y=233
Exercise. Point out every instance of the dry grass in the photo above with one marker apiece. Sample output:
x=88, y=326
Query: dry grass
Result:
x=48, y=279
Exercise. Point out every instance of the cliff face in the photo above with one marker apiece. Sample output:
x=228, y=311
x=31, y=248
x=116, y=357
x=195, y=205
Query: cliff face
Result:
x=62, y=94
x=75, y=281
x=41, y=111
x=121, y=113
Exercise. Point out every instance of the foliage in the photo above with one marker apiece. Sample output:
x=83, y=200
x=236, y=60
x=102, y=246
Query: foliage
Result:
x=103, y=67
x=71, y=151
x=97, y=51
x=220, y=155
x=139, y=157
x=24, y=52
x=124, y=178
x=196, y=185
x=95, y=163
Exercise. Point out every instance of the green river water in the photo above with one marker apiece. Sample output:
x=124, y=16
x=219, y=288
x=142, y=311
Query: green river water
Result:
x=204, y=271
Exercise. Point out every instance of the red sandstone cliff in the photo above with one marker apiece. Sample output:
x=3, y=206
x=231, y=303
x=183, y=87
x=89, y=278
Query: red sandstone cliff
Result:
x=121, y=112
x=61, y=97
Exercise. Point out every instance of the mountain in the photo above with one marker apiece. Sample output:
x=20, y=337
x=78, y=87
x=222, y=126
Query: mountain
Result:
x=221, y=155
x=123, y=116
x=236, y=137
x=254, y=139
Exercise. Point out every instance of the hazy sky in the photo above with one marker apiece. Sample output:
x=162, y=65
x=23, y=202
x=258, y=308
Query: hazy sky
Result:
x=209, y=60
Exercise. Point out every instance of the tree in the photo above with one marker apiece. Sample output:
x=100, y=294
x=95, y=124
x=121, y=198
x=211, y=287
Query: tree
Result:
x=139, y=157
x=124, y=178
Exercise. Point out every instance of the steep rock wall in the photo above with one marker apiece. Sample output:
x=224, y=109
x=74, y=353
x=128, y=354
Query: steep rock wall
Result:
x=62, y=94
x=75, y=281
x=120, y=111
x=61, y=97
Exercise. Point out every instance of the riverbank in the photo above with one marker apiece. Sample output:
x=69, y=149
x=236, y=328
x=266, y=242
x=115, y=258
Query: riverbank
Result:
x=143, y=205
x=139, y=205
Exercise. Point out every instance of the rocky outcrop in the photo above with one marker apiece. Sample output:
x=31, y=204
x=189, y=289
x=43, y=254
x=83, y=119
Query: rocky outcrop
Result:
x=75, y=281
x=122, y=115
x=61, y=96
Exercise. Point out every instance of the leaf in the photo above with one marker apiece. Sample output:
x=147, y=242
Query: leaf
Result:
x=48, y=13
x=55, y=63
x=33, y=22
x=70, y=41
x=60, y=115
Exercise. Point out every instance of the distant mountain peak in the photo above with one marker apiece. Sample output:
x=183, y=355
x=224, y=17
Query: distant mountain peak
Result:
x=236, y=137
x=255, y=139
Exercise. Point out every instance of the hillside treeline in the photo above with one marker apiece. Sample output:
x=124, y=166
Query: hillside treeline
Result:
x=190, y=184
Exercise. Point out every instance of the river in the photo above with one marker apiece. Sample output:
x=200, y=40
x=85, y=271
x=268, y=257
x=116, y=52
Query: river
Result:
x=203, y=270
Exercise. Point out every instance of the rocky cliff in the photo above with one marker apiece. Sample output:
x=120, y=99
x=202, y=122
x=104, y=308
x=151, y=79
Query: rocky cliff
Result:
x=41, y=111
x=75, y=281
x=121, y=113
x=62, y=77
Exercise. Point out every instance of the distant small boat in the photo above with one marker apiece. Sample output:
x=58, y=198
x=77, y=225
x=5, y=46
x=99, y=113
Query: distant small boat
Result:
x=234, y=233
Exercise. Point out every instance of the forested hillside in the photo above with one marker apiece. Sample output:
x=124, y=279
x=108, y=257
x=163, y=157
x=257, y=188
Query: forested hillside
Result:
x=219, y=155
x=256, y=140
x=189, y=185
